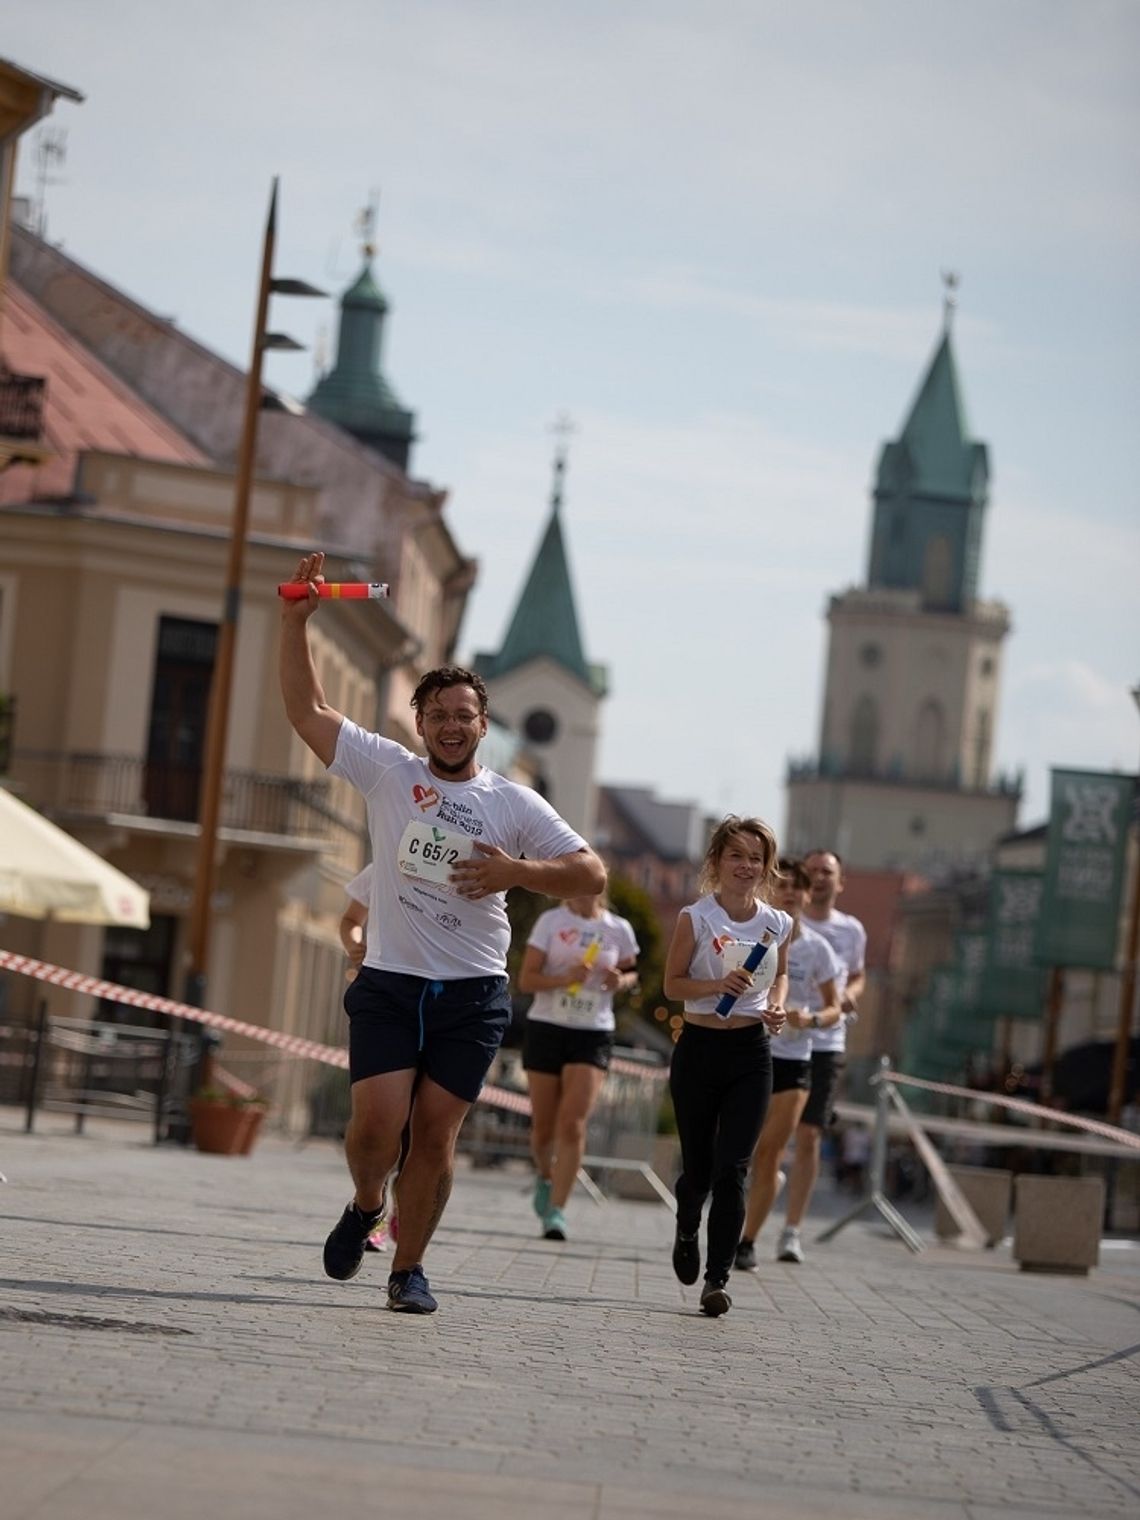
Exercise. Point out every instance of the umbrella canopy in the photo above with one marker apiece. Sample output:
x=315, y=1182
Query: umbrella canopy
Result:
x=45, y=873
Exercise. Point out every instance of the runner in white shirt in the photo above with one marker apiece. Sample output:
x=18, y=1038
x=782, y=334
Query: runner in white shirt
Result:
x=577, y=957
x=848, y=939
x=812, y=1003
x=351, y=929
x=721, y=1075
x=448, y=839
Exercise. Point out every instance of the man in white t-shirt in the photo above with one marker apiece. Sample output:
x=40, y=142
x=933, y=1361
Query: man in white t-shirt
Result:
x=848, y=939
x=449, y=837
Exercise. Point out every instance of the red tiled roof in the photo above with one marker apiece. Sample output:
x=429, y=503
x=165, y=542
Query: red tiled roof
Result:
x=86, y=407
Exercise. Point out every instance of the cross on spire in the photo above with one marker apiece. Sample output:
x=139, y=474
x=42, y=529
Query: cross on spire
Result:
x=563, y=427
x=951, y=279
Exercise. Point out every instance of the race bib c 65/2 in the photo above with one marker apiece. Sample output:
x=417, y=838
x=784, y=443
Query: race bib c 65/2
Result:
x=430, y=853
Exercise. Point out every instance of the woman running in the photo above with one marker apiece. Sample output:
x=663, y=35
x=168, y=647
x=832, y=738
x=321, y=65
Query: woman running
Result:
x=578, y=955
x=721, y=1076
x=812, y=1003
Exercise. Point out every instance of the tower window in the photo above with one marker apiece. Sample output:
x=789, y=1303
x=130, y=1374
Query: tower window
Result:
x=930, y=742
x=864, y=737
x=938, y=573
x=870, y=656
x=540, y=725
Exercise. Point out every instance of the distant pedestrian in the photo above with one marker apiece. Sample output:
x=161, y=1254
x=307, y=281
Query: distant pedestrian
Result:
x=352, y=928
x=577, y=957
x=848, y=939
x=812, y=1003
x=721, y=1075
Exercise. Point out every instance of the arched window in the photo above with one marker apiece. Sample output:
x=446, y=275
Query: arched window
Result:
x=930, y=742
x=864, y=748
x=938, y=573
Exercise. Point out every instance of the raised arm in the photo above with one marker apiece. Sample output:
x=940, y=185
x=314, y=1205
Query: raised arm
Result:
x=317, y=723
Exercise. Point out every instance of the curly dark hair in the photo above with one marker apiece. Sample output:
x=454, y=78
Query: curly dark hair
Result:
x=445, y=676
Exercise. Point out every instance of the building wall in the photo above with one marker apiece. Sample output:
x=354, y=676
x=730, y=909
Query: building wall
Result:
x=81, y=595
x=893, y=826
x=568, y=761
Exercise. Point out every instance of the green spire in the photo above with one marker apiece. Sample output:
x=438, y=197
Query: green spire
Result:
x=545, y=621
x=934, y=454
x=354, y=394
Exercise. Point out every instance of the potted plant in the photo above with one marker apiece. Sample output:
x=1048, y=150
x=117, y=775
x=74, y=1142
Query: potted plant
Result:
x=223, y=1123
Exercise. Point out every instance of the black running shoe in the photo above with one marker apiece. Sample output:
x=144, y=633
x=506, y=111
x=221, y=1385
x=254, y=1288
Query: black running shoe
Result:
x=714, y=1299
x=745, y=1256
x=409, y=1292
x=344, y=1249
x=686, y=1257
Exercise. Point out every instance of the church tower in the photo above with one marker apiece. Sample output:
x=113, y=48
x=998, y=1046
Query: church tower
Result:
x=540, y=682
x=903, y=779
x=354, y=394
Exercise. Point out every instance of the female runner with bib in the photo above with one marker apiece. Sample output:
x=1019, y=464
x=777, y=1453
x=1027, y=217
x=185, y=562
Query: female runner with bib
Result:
x=721, y=1076
x=578, y=955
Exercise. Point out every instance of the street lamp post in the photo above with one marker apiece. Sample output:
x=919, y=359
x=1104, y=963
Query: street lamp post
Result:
x=217, y=717
x=1127, y=987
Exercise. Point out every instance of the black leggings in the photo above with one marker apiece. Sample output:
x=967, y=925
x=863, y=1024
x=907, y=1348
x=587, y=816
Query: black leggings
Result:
x=721, y=1080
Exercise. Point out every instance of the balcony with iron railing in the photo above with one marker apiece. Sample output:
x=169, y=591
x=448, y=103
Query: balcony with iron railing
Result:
x=834, y=768
x=81, y=786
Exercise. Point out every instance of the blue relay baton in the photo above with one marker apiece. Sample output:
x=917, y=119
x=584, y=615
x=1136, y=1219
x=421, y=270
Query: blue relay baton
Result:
x=752, y=960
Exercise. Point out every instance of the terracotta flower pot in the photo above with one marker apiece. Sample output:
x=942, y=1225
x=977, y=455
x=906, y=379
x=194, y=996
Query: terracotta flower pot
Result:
x=220, y=1129
x=255, y=1114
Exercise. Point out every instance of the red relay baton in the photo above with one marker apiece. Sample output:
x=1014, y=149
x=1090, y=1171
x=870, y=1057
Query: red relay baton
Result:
x=349, y=591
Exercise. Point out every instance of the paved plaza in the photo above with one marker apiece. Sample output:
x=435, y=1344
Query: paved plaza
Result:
x=170, y=1347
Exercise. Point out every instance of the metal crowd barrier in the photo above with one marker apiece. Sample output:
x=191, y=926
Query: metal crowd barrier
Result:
x=892, y=1113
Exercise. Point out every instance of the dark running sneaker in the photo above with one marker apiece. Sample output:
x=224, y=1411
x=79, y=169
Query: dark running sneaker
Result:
x=745, y=1257
x=344, y=1249
x=408, y=1291
x=686, y=1257
x=714, y=1299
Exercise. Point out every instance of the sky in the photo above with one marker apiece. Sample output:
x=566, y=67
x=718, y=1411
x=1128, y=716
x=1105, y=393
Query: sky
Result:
x=714, y=237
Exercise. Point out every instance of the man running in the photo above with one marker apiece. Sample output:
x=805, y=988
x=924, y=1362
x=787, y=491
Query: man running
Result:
x=848, y=939
x=449, y=838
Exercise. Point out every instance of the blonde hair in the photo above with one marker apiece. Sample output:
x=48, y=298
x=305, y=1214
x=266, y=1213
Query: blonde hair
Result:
x=727, y=829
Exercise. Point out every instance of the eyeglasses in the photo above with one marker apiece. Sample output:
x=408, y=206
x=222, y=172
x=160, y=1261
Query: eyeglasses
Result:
x=437, y=717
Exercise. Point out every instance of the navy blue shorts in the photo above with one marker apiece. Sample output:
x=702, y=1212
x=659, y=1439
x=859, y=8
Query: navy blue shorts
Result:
x=448, y=1030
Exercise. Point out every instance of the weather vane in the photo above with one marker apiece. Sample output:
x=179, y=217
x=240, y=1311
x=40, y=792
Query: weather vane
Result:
x=366, y=224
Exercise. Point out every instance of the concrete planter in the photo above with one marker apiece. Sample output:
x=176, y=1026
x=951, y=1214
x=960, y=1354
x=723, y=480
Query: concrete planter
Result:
x=1057, y=1223
x=988, y=1191
x=664, y=1156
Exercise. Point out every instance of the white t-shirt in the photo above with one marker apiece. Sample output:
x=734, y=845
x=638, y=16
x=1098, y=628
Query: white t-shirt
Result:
x=811, y=960
x=360, y=887
x=848, y=938
x=564, y=937
x=713, y=932
x=420, y=825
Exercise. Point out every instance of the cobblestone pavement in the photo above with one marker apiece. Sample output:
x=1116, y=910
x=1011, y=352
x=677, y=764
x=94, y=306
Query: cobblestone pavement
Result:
x=168, y=1343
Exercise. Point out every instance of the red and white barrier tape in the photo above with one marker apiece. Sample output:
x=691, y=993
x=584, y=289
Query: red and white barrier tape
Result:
x=1021, y=1106
x=293, y=1045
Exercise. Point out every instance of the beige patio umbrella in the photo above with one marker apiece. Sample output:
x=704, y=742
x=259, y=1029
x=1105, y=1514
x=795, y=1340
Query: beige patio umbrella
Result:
x=45, y=873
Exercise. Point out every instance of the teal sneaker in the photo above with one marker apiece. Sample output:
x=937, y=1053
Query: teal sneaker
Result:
x=542, y=1196
x=554, y=1225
